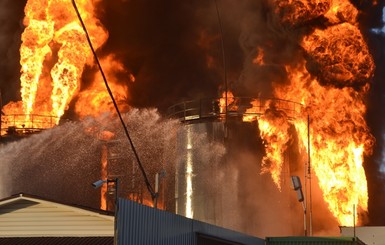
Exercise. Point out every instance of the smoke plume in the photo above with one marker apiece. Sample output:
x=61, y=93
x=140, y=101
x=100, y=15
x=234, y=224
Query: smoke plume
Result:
x=372, y=23
x=11, y=13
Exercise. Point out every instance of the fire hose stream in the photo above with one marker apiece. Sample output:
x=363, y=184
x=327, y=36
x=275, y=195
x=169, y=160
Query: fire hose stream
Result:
x=148, y=185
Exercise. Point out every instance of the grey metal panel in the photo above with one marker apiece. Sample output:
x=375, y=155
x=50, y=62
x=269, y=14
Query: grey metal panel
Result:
x=368, y=234
x=197, y=165
x=219, y=232
x=136, y=225
x=174, y=229
x=139, y=224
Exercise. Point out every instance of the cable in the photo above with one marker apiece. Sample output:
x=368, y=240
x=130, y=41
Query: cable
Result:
x=148, y=185
x=224, y=64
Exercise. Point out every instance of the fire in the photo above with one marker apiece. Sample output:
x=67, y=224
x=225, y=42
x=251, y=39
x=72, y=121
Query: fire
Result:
x=331, y=83
x=297, y=12
x=274, y=129
x=104, y=175
x=339, y=56
x=259, y=60
x=226, y=102
x=53, y=54
x=341, y=11
x=339, y=139
x=252, y=113
x=95, y=99
x=274, y=121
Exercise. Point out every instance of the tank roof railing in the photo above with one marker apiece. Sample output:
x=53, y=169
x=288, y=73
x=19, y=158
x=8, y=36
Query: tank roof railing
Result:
x=211, y=108
x=20, y=124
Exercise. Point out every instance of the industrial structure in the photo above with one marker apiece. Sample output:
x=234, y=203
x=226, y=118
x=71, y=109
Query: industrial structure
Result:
x=26, y=219
x=214, y=188
x=16, y=126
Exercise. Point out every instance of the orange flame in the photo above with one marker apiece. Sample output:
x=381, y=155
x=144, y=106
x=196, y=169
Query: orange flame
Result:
x=339, y=140
x=256, y=109
x=229, y=104
x=104, y=175
x=95, y=99
x=341, y=11
x=53, y=54
x=259, y=60
x=274, y=130
x=331, y=86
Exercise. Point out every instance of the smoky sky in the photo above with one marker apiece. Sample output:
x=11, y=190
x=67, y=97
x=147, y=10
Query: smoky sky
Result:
x=173, y=48
x=371, y=18
x=11, y=14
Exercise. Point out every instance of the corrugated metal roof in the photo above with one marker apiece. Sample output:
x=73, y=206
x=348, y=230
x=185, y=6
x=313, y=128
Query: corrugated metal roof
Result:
x=57, y=241
x=374, y=235
x=139, y=224
x=23, y=216
x=313, y=240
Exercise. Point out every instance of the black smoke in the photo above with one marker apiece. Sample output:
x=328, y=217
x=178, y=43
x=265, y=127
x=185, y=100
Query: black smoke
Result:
x=11, y=27
x=371, y=21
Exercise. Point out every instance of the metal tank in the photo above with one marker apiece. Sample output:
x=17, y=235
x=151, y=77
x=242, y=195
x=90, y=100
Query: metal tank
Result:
x=214, y=182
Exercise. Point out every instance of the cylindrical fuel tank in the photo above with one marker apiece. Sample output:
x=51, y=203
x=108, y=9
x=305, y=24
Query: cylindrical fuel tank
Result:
x=219, y=176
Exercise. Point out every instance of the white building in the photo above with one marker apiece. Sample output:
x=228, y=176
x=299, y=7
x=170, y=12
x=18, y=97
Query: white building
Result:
x=30, y=220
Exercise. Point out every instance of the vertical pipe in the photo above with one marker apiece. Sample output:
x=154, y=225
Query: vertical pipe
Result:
x=354, y=220
x=305, y=190
x=304, y=216
x=156, y=190
x=309, y=173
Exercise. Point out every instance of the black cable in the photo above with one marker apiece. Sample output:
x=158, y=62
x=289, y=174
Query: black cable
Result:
x=224, y=63
x=149, y=187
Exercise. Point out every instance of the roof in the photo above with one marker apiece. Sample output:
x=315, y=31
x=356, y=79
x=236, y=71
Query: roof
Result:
x=57, y=240
x=314, y=240
x=26, y=216
x=368, y=234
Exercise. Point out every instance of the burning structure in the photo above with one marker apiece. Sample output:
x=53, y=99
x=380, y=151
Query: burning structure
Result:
x=313, y=53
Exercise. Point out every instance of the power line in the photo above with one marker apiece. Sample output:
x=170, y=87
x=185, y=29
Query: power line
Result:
x=148, y=185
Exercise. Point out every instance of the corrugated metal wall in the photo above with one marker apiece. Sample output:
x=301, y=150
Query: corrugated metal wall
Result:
x=138, y=224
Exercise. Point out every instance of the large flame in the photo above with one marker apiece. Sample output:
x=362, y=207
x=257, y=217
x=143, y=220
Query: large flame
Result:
x=95, y=99
x=53, y=54
x=339, y=139
x=331, y=82
x=274, y=128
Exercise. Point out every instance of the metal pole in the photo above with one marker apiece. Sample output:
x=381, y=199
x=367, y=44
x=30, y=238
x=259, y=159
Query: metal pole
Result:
x=354, y=220
x=116, y=230
x=156, y=190
x=305, y=197
x=304, y=217
x=309, y=173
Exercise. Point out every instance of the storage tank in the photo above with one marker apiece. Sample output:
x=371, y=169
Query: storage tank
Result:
x=218, y=171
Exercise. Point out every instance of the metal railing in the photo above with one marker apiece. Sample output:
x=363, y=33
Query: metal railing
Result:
x=236, y=107
x=19, y=124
